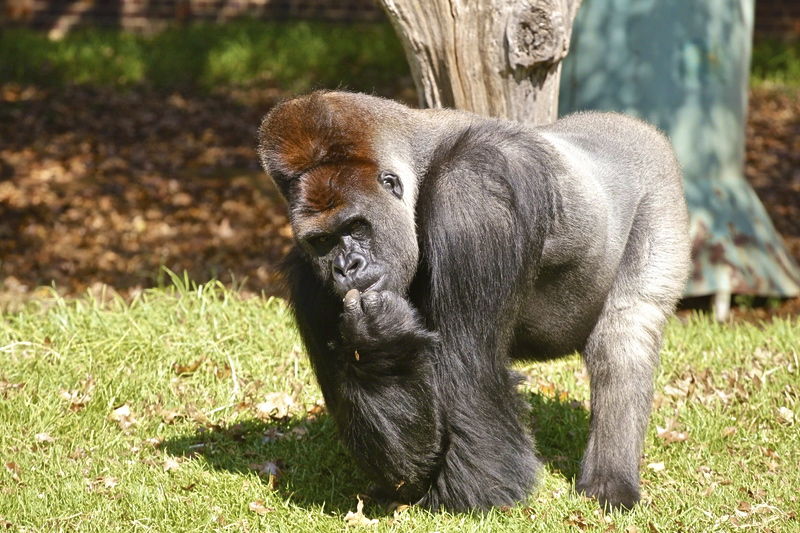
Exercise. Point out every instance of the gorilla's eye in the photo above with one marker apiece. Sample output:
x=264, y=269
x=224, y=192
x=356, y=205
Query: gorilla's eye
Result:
x=321, y=243
x=358, y=228
x=391, y=183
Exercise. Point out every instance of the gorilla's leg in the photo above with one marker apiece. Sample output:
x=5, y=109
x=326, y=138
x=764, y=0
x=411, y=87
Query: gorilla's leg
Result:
x=621, y=356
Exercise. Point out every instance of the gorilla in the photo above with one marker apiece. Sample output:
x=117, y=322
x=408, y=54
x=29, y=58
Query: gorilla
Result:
x=435, y=247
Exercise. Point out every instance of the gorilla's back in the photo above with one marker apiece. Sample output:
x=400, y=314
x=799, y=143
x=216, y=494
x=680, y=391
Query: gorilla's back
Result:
x=618, y=173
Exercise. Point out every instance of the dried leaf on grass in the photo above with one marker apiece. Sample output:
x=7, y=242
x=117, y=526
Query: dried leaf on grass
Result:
x=276, y=406
x=171, y=463
x=190, y=368
x=169, y=416
x=270, y=468
x=357, y=519
x=123, y=416
x=7, y=387
x=670, y=433
x=259, y=508
x=14, y=470
x=271, y=471
x=43, y=438
x=79, y=397
x=785, y=416
x=577, y=521
x=100, y=483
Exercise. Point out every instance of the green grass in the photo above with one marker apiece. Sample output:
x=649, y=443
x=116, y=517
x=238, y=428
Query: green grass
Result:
x=290, y=55
x=776, y=62
x=192, y=364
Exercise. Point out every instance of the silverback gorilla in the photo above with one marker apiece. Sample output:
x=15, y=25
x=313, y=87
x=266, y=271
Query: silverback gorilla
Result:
x=434, y=247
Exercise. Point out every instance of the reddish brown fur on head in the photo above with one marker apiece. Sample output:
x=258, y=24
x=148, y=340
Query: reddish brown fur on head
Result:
x=322, y=139
x=327, y=187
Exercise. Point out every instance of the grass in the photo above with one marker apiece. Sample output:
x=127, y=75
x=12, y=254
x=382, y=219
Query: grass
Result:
x=776, y=62
x=155, y=415
x=294, y=56
x=290, y=55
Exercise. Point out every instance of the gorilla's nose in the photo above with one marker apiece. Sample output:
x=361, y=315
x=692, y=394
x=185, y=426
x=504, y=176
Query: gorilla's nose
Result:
x=347, y=267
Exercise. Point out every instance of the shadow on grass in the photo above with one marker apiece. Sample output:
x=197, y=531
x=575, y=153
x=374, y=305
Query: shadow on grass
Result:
x=316, y=471
x=560, y=430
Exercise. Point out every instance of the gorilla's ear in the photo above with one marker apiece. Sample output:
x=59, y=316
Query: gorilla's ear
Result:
x=309, y=131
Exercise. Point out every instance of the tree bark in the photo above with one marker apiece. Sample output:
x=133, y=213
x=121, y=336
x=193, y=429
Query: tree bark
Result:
x=499, y=58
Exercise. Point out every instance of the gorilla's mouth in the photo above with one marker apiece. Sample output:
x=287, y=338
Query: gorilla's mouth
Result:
x=370, y=283
x=376, y=285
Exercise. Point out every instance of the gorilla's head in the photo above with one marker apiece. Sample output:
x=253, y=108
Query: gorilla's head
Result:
x=351, y=198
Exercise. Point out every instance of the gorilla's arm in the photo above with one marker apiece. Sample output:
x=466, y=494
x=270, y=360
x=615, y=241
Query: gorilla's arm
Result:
x=474, y=269
x=374, y=365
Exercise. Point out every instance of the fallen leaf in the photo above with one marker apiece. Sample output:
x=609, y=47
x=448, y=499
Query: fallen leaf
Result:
x=190, y=368
x=259, y=508
x=769, y=452
x=669, y=434
x=315, y=411
x=76, y=399
x=271, y=435
x=123, y=416
x=77, y=453
x=298, y=432
x=276, y=406
x=43, y=438
x=79, y=397
x=14, y=470
x=101, y=482
x=169, y=416
x=268, y=469
x=656, y=467
x=785, y=416
x=577, y=520
x=170, y=464
x=358, y=519
x=6, y=387
x=197, y=415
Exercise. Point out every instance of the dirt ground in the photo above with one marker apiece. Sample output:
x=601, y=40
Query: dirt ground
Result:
x=106, y=186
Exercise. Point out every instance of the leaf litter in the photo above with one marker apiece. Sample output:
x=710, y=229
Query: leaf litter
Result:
x=92, y=194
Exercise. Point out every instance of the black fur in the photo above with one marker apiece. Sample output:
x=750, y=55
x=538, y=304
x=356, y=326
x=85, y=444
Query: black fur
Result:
x=433, y=417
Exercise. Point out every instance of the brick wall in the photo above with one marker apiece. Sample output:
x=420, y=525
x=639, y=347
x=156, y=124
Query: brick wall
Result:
x=773, y=17
x=152, y=15
x=778, y=18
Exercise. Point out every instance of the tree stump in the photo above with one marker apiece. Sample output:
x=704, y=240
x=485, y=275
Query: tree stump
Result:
x=499, y=58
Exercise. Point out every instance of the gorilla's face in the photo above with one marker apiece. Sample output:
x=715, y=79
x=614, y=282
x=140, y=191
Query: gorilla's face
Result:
x=350, y=220
x=350, y=209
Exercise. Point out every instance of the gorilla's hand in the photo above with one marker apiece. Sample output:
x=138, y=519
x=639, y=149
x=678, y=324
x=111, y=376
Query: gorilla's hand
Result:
x=382, y=324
